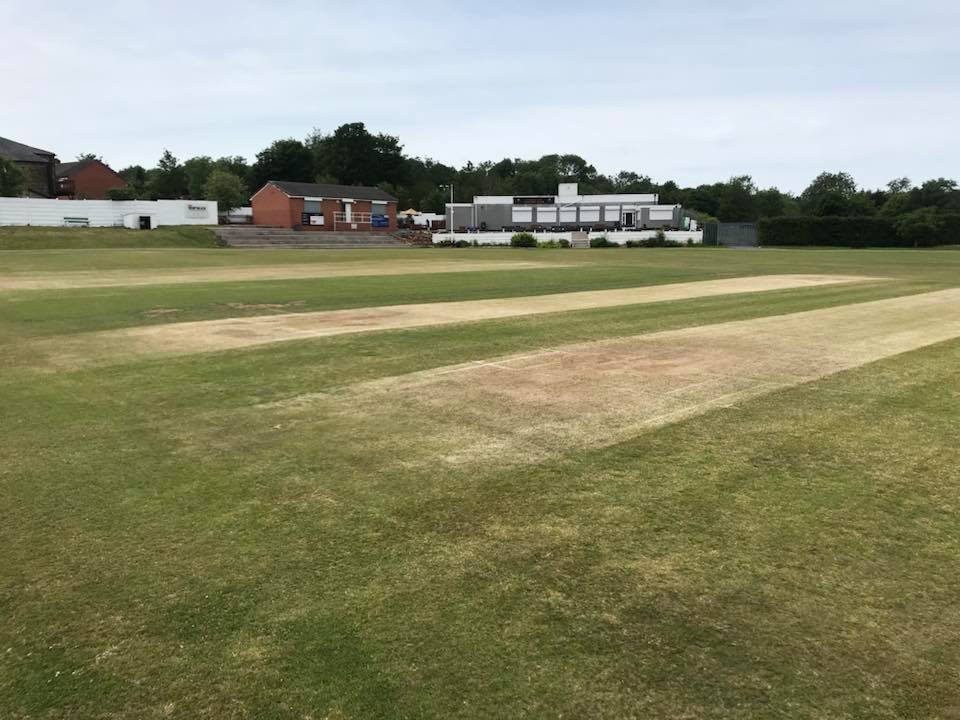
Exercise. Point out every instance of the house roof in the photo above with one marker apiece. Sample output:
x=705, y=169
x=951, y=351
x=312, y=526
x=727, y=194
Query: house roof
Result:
x=70, y=168
x=23, y=153
x=354, y=192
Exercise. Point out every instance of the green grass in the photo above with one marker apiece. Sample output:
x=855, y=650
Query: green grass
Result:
x=46, y=238
x=166, y=551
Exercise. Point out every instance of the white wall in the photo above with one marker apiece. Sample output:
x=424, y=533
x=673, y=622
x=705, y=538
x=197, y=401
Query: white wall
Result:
x=105, y=213
x=620, y=237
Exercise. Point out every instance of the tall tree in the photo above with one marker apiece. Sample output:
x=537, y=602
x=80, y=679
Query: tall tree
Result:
x=235, y=165
x=284, y=160
x=627, y=181
x=136, y=177
x=197, y=170
x=355, y=156
x=830, y=194
x=773, y=203
x=940, y=193
x=168, y=180
x=737, y=201
x=899, y=185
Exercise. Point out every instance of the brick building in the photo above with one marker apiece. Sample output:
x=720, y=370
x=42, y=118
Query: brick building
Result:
x=86, y=180
x=316, y=206
x=37, y=165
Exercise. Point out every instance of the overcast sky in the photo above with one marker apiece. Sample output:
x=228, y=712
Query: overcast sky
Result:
x=694, y=91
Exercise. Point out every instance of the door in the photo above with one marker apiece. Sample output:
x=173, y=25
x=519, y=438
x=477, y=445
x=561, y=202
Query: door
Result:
x=144, y=222
x=629, y=219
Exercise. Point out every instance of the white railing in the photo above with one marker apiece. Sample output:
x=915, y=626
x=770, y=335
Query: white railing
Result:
x=356, y=218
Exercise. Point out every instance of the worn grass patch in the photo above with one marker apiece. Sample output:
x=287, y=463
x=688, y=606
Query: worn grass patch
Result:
x=212, y=335
x=358, y=268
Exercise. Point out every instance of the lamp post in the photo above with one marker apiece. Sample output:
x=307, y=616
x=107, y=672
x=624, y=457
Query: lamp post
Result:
x=450, y=224
x=450, y=186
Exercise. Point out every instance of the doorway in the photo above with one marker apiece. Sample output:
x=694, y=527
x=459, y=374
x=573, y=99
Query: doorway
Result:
x=629, y=219
x=144, y=222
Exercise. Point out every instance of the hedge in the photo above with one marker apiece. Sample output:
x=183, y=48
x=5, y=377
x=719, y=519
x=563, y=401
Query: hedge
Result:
x=853, y=232
x=856, y=232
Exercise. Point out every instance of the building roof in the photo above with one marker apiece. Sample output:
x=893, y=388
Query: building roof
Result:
x=354, y=192
x=23, y=153
x=70, y=168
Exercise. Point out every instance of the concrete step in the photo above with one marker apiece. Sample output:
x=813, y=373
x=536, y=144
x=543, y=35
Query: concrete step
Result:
x=265, y=237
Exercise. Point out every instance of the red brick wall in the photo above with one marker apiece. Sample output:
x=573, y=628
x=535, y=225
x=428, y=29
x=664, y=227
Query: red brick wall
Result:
x=273, y=207
x=392, y=215
x=92, y=181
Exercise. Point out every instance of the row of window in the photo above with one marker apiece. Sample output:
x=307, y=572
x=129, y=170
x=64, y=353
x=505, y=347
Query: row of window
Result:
x=587, y=214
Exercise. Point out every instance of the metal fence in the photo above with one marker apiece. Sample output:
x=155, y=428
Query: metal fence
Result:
x=730, y=234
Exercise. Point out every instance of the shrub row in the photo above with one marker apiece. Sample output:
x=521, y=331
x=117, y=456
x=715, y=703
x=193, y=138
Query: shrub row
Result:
x=832, y=231
x=923, y=228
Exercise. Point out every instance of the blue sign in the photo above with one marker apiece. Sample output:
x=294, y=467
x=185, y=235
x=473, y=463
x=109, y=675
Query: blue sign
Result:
x=379, y=221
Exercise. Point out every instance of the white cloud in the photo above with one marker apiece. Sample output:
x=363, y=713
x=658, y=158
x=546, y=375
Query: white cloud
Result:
x=695, y=92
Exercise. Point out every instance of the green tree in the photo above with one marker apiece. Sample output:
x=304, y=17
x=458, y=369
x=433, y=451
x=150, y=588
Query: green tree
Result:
x=940, y=193
x=167, y=181
x=627, y=181
x=13, y=182
x=921, y=227
x=136, y=177
x=736, y=200
x=284, y=160
x=197, y=170
x=355, y=156
x=88, y=156
x=830, y=194
x=899, y=185
x=236, y=165
x=670, y=193
x=771, y=203
x=227, y=189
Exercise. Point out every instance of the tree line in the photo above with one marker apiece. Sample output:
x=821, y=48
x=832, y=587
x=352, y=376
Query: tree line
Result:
x=352, y=155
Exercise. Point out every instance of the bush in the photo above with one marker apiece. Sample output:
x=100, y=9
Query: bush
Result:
x=657, y=241
x=853, y=232
x=602, y=242
x=462, y=243
x=554, y=244
x=523, y=240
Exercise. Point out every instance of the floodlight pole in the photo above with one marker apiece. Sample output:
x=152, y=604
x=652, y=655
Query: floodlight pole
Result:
x=450, y=229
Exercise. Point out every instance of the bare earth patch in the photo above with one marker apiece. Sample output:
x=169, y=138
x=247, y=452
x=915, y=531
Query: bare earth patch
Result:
x=211, y=335
x=118, y=278
x=528, y=407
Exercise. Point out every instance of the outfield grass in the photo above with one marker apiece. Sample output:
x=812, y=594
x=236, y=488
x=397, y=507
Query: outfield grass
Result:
x=45, y=238
x=170, y=549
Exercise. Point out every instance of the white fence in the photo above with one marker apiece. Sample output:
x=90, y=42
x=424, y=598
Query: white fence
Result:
x=619, y=237
x=106, y=213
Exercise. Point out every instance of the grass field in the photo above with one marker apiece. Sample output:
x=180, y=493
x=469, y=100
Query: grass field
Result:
x=495, y=518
